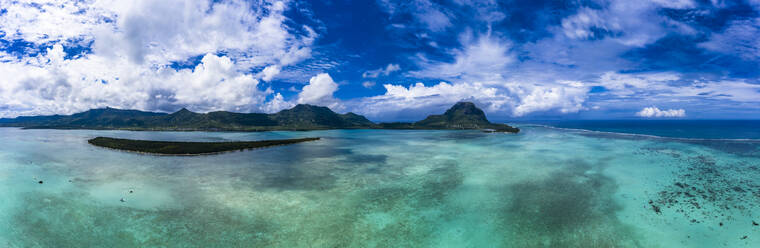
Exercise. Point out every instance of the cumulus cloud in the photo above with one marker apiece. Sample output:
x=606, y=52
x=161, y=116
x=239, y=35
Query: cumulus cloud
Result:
x=232, y=51
x=481, y=71
x=270, y=72
x=52, y=20
x=155, y=32
x=650, y=112
x=589, y=48
x=399, y=100
x=133, y=44
x=276, y=104
x=212, y=85
x=381, y=71
x=320, y=91
x=517, y=99
x=567, y=97
x=49, y=85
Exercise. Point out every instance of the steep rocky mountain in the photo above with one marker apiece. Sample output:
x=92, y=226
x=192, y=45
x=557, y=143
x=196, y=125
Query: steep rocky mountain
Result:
x=463, y=115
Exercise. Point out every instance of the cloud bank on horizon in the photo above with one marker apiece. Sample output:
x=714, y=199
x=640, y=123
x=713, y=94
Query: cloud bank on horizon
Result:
x=650, y=112
x=387, y=59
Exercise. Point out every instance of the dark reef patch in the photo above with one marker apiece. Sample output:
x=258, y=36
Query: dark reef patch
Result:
x=459, y=135
x=573, y=207
x=291, y=178
x=744, y=148
x=707, y=190
x=407, y=200
x=368, y=163
x=429, y=191
x=438, y=183
x=290, y=175
x=292, y=168
x=365, y=158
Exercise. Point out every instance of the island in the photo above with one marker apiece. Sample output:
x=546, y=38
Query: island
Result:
x=302, y=117
x=188, y=148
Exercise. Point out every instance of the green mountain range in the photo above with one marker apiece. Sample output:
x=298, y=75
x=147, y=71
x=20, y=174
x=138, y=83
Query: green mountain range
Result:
x=463, y=115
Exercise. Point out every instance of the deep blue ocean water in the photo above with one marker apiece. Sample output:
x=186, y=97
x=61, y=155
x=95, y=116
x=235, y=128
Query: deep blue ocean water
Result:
x=691, y=129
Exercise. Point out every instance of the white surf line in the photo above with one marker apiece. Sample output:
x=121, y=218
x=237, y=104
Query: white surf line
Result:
x=638, y=134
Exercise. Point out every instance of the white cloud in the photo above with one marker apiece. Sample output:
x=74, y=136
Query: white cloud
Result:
x=368, y=84
x=434, y=18
x=51, y=21
x=157, y=32
x=480, y=72
x=516, y=98
x=391, y=68
x=579, y=25
x=425, y=12
x=735, y=91
x=638, y=84
x=739, y=39
x=631, y=23
x=483, y=59
x=675, y=4
x=671, y=86
x=650, y=112
x=270, y=72
x=133, y=42
x=381, y=71
x=276, y=104
x=398, y=100
x=51, y=85
x=214, y=84
x=567, y=97
x=320, y=91
x=486, y=10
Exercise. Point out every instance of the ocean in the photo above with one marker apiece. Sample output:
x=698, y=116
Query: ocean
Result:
x=688, y=129
x=572, y=184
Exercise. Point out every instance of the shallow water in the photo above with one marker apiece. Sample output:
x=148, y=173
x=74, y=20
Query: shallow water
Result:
x=543, y=187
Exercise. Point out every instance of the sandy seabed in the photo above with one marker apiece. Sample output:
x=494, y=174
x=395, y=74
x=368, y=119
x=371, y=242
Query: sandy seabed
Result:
x=543, y=187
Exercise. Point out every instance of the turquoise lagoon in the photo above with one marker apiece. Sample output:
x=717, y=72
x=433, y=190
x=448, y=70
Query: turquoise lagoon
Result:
x=544, y=187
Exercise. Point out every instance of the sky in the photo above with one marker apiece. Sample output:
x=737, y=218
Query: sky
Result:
x=387, y=60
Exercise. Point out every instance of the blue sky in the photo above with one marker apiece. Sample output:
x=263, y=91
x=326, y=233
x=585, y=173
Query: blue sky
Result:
x=388, y=60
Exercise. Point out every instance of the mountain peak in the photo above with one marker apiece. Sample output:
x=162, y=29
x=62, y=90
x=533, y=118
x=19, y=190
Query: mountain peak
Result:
x=304, y=106
x=463, y=105
x=183, y=111
x=466, y=110
x=463, y=115
x=308, y=108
